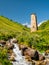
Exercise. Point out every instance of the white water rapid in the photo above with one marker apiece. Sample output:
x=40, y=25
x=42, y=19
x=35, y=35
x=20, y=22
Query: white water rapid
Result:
x=20, y=60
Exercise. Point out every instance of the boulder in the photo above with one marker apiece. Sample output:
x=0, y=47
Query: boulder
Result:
x=15, y=41
x=21, y=46
x=28, y=58
x=10, y=51
x=33, y=63
x=9, y=46
x=31, y=52
x=12, y=57
x=41, y=57
x=24, y=51
x=47, y=52
x=2, y=42
x=46, y=62
x=35, y=55
x=39, y=62
x=43, y=62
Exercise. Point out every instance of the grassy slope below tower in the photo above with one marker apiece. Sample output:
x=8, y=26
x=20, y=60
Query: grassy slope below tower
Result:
x=43, y=33
x=44, y=27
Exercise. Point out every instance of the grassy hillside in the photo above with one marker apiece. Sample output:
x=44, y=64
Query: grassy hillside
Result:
x=43, y=33
x=44, y=25
x=9, y=27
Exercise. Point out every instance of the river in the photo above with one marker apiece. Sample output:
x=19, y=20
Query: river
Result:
x=20, y=60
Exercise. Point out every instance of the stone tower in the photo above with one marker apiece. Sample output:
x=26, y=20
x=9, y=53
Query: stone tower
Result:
x=33, y=23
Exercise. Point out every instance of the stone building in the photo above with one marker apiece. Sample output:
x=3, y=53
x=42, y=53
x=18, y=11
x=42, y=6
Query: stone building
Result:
x=33, y=23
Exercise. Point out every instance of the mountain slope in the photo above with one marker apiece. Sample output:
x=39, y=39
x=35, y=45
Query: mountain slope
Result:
x=44, y=30
x=9, y=27
x=44, y=25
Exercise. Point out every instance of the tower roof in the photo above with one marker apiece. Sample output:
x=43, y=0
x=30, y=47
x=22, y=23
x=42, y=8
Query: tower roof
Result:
x=33, y=14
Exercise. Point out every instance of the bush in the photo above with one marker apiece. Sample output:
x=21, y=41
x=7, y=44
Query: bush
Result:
x=3, y=57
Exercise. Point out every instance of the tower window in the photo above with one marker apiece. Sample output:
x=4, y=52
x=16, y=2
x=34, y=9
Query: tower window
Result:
x=33, y=27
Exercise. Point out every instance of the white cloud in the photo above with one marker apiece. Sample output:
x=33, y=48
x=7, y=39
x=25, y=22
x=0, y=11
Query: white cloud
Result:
x=28, y=25
x=41, y=23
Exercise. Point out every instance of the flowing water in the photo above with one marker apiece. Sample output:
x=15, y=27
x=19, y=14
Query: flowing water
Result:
x=20, y=60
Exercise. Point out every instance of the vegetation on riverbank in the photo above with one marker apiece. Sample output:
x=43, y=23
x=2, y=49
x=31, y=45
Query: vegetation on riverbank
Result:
x=4, y=57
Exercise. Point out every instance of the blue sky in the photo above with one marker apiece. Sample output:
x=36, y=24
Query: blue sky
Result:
x=20, y=10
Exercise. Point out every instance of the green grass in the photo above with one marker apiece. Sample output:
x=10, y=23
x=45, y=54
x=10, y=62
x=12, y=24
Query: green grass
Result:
x=4, y=57
x=44, y=25
x=9, y=27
